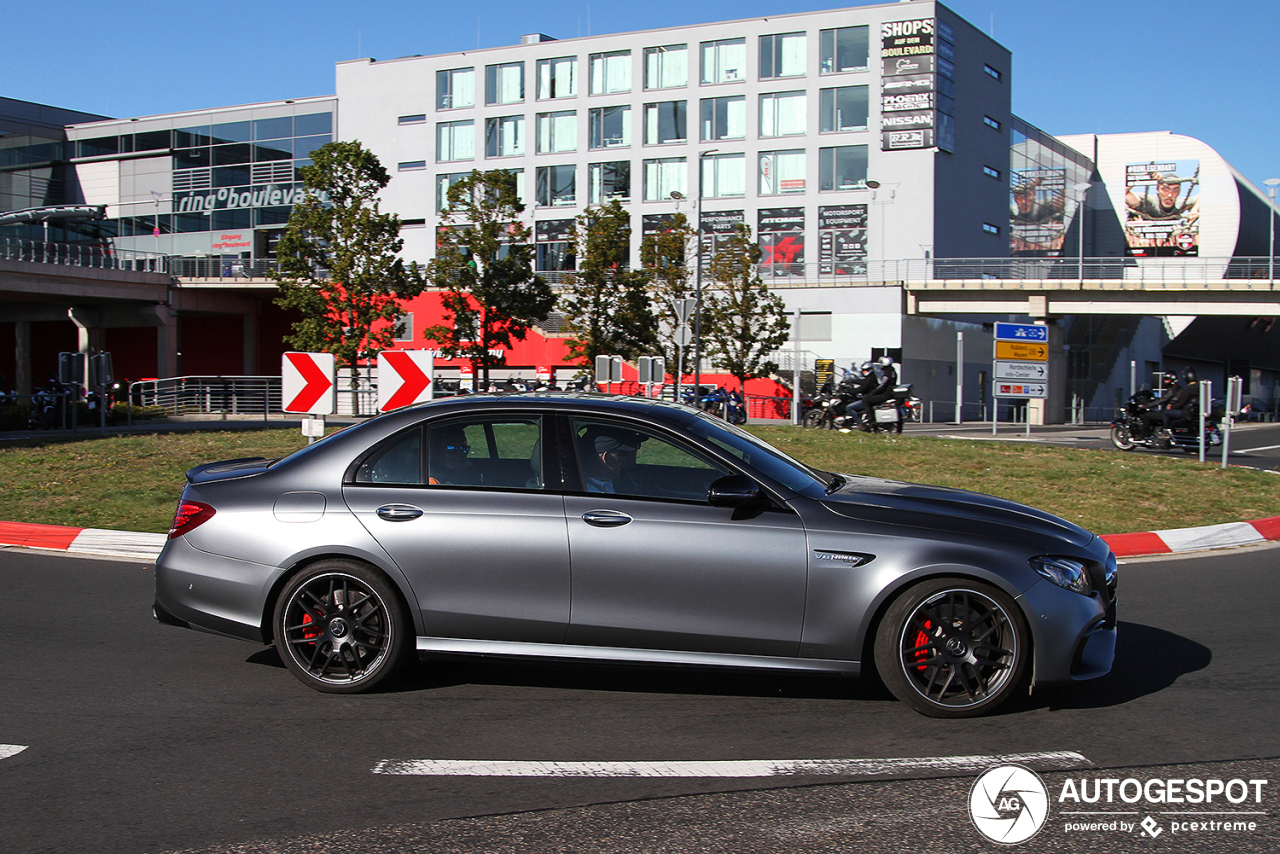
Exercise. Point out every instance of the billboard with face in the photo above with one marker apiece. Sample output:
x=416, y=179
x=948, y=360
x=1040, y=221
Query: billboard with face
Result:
x=1162, y=207
x=1037, y=202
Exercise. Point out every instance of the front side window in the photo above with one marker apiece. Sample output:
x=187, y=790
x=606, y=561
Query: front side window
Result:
x=844, y=49
x=610, y=127
x=609, y=181
x=724, y=118
x=556, y=185
x=610, y=72
x=618, y=459
x=782, y=172
x=724, y=175
x=455, y=88
x=724, y=61
x=664, y=122
x=783, y=114
x=843, y=167
x=557, y=78
x=843, y=108
x=497, y=452
x=504, y=136
x=504, y=84
x=666, y=67
x=664, y=176
x=782, y=55
x=455, y=141
x=557, y=132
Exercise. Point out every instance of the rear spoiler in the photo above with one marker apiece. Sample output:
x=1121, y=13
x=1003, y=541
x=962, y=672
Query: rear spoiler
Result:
x=228, y=469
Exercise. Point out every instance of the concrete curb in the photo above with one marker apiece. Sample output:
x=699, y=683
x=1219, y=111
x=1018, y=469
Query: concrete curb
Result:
x=132, y=544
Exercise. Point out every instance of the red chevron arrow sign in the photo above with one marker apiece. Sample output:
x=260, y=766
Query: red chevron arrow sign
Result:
x=404, y=377
x=306, y=383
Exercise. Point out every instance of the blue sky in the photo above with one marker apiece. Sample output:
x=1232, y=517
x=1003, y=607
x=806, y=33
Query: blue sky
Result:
x=1210, y=70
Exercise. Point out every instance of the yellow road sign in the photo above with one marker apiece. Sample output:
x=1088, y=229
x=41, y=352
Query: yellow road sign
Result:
x=1022, y=351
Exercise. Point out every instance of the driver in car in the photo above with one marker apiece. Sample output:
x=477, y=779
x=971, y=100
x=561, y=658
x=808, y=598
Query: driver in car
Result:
x=607, y=453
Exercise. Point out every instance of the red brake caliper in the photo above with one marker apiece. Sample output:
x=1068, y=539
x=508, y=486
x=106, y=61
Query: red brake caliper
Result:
x=306, y=618
x=922, y=640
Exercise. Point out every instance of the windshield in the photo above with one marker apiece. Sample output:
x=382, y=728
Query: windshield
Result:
x=754, y=452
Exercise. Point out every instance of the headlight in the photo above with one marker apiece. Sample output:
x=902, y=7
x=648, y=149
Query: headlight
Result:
x=1064, y=572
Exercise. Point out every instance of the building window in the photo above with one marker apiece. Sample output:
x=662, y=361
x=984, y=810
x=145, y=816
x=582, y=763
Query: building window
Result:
x=782, y=114
x=609, y=181
x=557, y=78
x=609, y=127
x=990, y=229
x=724, y=61
x=990, y=122
x=416, y=119
x=664, y=176
x=610, y=72
x=724, y=118
x=782, y=55
x=455, y=141
x=556, y=185
x=781, y=172
x=411, y=165
x=666, y=67
x=504, y=136
x=443, y=183
x=724, y=176
x=412, y=223
x=842, y=167
x=993, y=72
x=843, y=108
x=664, y=122
x=557, y=132
x=504, y=84
x=991, y=172
x=404, y=326
x=455, y=89
x=554, y=253
x=844, y=49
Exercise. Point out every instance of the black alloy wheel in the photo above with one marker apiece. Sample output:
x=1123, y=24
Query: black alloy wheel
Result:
x=340, y=627
x=952, y=648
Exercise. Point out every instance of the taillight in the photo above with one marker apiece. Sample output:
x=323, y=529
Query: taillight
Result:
x=189, y=516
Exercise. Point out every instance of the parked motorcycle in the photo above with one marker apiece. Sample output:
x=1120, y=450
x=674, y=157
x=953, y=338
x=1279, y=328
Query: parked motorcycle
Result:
x=1137, y=427
x=726, y=404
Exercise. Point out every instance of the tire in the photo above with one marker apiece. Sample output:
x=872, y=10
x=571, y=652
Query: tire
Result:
x=1121, y=439
x=953, y=648
x=813, y=418
x=363, y=635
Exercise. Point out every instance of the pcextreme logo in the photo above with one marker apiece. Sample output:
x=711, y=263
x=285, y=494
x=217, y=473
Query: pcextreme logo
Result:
x=1010, y=804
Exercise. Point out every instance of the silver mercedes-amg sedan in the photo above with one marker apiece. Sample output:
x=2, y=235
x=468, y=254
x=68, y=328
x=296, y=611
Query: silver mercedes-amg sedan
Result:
x=582, y=527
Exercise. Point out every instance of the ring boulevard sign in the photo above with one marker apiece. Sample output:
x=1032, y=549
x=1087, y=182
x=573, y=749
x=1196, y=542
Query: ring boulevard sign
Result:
x=1020, y=366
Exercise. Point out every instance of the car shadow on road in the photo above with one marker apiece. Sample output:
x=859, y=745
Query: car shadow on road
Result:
x=1148, y=660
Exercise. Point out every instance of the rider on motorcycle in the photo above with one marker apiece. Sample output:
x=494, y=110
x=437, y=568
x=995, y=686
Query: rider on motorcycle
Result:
x=882, y=391
x=1183, y=404
x=1169, y=387
x=858, y=388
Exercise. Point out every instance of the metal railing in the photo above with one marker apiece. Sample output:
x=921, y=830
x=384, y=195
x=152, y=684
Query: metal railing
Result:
x=205, y=267
x=208, y=395
x=81, y=255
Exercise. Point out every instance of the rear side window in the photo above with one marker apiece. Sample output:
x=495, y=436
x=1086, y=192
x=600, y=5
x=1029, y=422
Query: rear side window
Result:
x=398, y=461
x=497, y=452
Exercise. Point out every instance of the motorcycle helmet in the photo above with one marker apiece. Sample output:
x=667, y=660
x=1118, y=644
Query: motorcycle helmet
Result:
x=867, y=368
x=1188, y=376
x=1168, y=379
x=886, y=362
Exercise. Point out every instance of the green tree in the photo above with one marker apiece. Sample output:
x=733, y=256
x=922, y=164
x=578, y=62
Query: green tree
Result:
x=606, y=305
x=748, y=322
x=663, y=255
x=338, y=265
x=483, y=265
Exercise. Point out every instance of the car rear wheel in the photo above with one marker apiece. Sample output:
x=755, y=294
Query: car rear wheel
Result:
x=340, y=627
x=952, y=648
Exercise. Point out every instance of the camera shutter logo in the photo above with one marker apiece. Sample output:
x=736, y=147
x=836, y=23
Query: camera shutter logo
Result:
x=1009, y=804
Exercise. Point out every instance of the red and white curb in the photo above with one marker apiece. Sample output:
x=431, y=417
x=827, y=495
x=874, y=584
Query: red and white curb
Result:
x=83, y=540
x=1194, y=539
x=134, y=544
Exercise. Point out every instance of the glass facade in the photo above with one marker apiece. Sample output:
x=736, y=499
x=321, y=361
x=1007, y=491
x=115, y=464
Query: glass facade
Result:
x=1043, y=201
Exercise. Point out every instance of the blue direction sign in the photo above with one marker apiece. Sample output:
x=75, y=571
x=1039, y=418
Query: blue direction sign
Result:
x=1021, y=332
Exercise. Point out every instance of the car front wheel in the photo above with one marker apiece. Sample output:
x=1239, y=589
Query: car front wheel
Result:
x=952, y=648
x=340, y=627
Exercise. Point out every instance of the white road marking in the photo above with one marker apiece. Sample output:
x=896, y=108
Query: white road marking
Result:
x=7, y=750
x=1047, y=761
x=1263, y=448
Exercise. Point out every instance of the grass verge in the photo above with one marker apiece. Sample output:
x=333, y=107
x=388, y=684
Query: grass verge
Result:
x=132, y=482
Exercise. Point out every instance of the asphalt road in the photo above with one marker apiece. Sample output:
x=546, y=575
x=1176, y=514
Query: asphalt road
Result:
x=144, y=738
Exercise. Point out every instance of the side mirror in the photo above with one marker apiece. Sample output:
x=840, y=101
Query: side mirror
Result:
x=735, y=490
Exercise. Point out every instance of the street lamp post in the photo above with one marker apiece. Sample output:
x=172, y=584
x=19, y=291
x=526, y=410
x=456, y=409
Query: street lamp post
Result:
x=1272, y=183
x=697, y=308
x=1083, y=190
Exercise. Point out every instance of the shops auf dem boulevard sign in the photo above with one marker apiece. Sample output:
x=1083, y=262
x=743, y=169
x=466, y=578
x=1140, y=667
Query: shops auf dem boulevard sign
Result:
x=1021, y=353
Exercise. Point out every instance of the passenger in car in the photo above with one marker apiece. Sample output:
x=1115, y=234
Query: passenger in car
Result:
x=607, y=454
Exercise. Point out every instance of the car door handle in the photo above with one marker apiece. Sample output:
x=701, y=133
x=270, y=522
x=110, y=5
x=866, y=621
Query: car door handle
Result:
x=605, y=518
x=398, y=512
